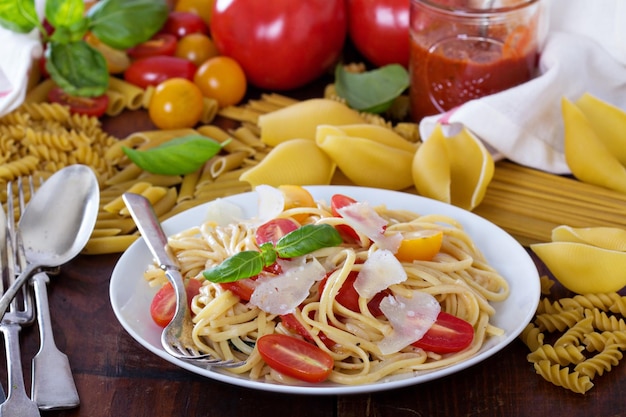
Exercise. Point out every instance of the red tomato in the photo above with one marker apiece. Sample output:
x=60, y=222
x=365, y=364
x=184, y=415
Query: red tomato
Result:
x=273, y=230
x=160, y=44
x=242, y=288
x=163, y=304
x=338, y=201
x=281, y=44
x=154, y=70
x=349, y=298
x=90, y=106
x=379, y=30
x=292, y=324
x=295, y=357
x=448, y=334
x=181, y=24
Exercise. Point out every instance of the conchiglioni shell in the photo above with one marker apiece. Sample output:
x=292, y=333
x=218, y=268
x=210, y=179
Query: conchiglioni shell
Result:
x=368, y=163
x=377, y=133
x=609, y=123
x=296, y=161
x=612, y=238
x=587, y=157
x=300, y=120
x=582, y=268
x=455, y=169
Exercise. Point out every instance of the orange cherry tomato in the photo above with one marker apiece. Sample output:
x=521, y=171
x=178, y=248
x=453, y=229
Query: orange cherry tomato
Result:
x=222, y=79
x=202, y=8
x=296, y=196
x=176, y=103
x=196, y=47
x=420, y=247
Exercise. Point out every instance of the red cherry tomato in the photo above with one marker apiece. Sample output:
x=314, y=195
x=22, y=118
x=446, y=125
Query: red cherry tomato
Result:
x=90, y=106
x=273, y=230
x=154, y=70
x=181, y=24
x=242, y=288
x=163, y=304
x=292, y=324
x=281, y=44
x=295, y=357
x=160, y=44
x=448, y=334
x=338, y=201
x=348, y=297
x=379, y=30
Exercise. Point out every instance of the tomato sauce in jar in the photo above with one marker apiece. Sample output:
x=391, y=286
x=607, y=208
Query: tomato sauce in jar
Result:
x=462, y=54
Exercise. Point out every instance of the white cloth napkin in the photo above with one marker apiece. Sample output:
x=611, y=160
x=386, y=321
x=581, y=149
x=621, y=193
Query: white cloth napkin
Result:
x=584, y=51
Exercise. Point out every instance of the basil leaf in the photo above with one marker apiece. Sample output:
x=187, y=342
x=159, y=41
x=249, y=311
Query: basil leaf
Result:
x=241, y=265
x=77, y=68
x=18, y=15
x=122, y=24
x=178, y=156
x=371, y=91
x=64, y=13
x=307, y=239
x=269, y=253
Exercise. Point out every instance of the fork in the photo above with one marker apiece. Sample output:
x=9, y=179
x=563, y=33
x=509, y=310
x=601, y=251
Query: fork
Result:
x=53, y=386
x=175, y=338
x=20, y=314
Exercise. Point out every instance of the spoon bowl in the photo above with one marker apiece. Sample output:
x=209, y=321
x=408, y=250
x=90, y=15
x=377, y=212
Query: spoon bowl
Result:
x=57, y=223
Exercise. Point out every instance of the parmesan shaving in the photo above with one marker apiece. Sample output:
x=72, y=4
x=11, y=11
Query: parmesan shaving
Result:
x=364, y=219
x=380, y=270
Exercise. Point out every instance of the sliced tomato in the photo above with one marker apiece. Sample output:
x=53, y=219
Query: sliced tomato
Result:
x=422, y=246
x=297, y=196
x=448, y=334
x=348, y=297
x=295, y=357
x=90, y=106
x=337, y=202
x=160, y=44
x=273, y=230
x=242, y=288
x=163, y=304
x=292, y=324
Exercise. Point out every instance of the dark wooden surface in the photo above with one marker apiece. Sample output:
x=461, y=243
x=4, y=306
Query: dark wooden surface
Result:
x=116, y=376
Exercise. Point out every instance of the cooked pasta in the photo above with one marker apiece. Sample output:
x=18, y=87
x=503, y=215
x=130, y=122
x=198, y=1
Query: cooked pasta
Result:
x=458, y=277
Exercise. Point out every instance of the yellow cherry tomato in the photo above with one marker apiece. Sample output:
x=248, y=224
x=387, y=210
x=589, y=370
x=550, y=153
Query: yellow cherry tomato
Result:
x=422, y=246
x=222, y=79
x=176, y=103
x=202, y=8
x=196, y=47
x=296, y=196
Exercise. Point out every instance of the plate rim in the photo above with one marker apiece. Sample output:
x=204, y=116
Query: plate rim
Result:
x=533, y=289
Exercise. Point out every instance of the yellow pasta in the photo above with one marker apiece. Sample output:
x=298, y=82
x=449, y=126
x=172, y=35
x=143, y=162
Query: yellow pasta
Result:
x=39, y=93
x=131, y=95
x=573, y=381
x=116, y=104
x=210, y=108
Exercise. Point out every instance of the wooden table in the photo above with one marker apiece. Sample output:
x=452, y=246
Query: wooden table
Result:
x=116, y=376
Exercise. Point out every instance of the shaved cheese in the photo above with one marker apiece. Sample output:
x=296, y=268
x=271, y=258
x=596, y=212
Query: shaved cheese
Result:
x=364, y=219
x=410, y=318
x=283, y=293
x=223, y=213
x=271, y=202
x=380, y=270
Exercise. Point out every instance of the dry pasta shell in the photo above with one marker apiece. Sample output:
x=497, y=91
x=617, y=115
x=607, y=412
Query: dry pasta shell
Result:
x=300, y=120
x=583, y=268
x=296, y=161
x=612, y=238
x=587, y=157
x=376, y=133
x=454, y=169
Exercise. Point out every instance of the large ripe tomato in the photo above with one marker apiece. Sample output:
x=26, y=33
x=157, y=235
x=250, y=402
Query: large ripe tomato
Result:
x=281, y=44
x=379, y=30
x=176, y=103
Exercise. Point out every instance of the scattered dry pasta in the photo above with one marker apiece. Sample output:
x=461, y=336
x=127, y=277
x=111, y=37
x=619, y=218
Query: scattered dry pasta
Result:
x=588, y=334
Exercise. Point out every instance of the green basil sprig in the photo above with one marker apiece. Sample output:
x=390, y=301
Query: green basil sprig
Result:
x=302, y=241
x=371, y=91
x=73, y=64
x=178, y=156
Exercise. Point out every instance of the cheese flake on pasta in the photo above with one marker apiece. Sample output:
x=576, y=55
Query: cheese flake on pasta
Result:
x=364, y=219
x=380, y=270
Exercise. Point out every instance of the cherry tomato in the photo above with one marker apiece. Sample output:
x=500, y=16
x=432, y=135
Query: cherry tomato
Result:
x=154, y=70
x=282, y=44
x=295, y=357
x=90, y=106
x=202, y=8
x=379, y=30
x=274, y=229
x=338, y=201
x=421, y=247
x=181, y=24
x=222, y=79
x=176, y=103
x=196, y=47
x=297, y=196
x=242, y=288
x=292, y=324
x=160, y=44
x=348, y=297
x=448, y=334
x=163, y=304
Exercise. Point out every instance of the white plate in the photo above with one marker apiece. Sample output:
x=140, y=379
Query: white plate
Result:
x=131, y=295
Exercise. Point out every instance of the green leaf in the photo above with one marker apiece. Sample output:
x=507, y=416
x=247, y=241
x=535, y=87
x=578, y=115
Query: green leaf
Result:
x=18, y=15
x=179, y=156
x=77, y=68
x=371, y=91
x=122, y=24
x=307, y=239
x=64, y=13
x=269, y=253
x=241, y=265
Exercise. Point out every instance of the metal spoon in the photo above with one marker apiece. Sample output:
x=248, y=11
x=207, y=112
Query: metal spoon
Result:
x=60, y=218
